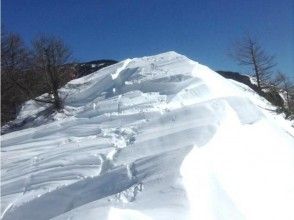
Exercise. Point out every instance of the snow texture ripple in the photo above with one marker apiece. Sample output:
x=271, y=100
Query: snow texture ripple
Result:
x=159, y=137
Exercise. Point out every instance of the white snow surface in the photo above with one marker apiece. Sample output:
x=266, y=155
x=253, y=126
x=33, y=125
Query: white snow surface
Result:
x=159, y=137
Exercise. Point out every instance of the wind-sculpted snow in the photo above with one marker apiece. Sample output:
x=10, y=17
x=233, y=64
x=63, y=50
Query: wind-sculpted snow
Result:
x=158, y=137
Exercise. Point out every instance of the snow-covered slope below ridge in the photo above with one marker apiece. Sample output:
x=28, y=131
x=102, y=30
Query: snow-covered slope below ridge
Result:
x=159, y=137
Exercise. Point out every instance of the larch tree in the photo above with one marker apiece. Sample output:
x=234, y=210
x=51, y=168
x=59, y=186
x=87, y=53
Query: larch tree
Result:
x=248, y=52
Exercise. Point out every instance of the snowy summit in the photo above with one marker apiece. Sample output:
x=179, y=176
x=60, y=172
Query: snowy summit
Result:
x=159, y=137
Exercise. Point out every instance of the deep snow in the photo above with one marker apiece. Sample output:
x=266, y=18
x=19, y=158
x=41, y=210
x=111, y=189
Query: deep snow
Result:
x=159, y=137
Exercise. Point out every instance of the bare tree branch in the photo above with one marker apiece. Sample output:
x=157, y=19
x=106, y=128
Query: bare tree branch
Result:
x=247, y=52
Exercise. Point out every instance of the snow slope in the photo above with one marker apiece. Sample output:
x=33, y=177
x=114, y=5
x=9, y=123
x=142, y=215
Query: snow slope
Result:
x=159, y=137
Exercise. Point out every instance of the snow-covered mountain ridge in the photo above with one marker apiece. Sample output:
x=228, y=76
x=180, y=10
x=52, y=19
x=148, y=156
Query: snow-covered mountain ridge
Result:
x=159, y=137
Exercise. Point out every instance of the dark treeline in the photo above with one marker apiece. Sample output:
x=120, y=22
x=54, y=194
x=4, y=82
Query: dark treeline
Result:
x=28, y=72
x=40, y=68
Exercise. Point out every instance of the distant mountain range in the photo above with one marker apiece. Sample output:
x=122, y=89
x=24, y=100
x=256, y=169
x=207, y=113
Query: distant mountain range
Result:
x=86, y=68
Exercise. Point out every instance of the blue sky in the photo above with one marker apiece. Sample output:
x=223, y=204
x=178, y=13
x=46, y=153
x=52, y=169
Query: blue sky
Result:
x=117, y=29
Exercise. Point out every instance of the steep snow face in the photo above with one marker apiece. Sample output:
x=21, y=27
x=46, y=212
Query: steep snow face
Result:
x=158, y=137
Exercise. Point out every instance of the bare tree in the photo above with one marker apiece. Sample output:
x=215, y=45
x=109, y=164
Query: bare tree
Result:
x=14, y=61
x=50, y=58
x=26, y=74
x=14, y=66
x=248, y=52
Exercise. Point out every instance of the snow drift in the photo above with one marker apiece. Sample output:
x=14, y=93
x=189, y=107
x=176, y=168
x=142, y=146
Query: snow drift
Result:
x=159, y=137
